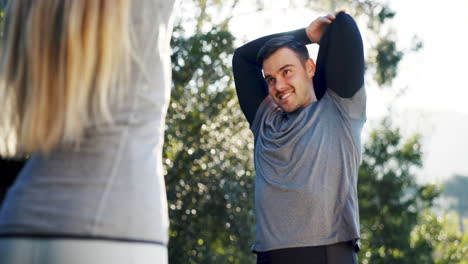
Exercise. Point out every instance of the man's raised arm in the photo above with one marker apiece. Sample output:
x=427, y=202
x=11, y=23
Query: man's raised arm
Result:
x=340, y=62
x=250, y=85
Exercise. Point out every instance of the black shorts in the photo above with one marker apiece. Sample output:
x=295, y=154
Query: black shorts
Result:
x=341, y=253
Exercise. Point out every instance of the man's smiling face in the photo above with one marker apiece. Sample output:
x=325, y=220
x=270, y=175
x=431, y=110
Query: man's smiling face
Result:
x=289, y=79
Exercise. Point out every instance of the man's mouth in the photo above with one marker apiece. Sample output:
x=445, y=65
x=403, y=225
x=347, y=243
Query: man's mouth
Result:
x=282, y=97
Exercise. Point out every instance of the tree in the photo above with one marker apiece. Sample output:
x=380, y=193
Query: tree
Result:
x=208, y=146
x=397, y=223
x=456, y=189
x=207, y=154
x=390, y=201
x=439, y=233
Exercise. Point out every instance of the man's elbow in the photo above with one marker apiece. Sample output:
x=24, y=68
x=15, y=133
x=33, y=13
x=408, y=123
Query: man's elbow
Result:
x=237, y=58
x=238, y=54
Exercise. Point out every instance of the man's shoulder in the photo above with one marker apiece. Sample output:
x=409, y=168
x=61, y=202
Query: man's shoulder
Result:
x=353, y=107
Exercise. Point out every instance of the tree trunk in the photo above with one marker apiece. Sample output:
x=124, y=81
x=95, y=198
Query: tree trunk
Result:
x=460, y=223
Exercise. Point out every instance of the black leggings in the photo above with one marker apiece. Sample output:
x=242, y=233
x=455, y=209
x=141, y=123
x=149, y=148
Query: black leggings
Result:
x=341, y=253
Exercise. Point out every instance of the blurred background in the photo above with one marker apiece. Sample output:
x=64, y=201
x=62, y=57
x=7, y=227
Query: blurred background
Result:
x=413, y=181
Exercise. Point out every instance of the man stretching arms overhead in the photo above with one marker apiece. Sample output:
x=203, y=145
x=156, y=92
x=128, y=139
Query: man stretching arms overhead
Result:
x=307, y=121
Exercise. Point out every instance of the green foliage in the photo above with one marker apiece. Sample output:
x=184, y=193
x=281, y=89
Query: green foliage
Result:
x=397, y=225
x=387, y=59
x=390, y=200
x=208, y=155
x=385, y=13
x=437, y=233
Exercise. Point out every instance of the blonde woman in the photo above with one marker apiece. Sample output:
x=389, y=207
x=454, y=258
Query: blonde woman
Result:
x=84, y=90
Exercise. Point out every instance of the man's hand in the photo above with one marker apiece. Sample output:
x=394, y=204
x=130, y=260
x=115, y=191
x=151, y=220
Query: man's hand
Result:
x=316, y=29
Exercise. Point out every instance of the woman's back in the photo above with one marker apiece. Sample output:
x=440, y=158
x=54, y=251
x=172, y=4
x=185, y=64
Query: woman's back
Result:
x=112, y=185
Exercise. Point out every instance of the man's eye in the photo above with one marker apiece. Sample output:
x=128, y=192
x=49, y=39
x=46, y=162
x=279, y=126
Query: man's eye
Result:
x=286, y=72
x=270, y=81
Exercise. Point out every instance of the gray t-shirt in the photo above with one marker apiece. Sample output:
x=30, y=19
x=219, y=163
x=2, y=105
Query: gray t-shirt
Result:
x=306, y=166
x=112, y=187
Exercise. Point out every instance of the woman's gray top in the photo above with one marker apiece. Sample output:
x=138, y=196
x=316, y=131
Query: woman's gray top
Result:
x=112, y=187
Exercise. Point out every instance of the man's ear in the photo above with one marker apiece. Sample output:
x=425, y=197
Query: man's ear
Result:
x=310, y=68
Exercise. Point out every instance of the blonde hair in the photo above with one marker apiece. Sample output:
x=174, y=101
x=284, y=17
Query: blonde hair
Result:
x=59, y=67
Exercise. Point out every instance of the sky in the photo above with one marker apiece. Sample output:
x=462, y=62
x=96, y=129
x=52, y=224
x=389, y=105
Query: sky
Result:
x=434, y=101
x=437, y=75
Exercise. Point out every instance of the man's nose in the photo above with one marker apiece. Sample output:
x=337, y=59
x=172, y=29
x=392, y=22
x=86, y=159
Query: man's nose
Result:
x=280, y=85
